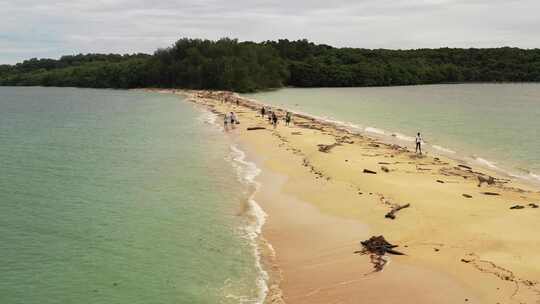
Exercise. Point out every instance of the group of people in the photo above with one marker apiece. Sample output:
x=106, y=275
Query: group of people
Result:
x=230, y=119
x=273, y=117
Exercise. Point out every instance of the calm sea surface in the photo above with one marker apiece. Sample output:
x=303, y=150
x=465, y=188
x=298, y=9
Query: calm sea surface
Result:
x=119, y=197
x=497, y=125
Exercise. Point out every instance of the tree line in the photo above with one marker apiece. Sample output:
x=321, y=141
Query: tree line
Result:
x=228, y=64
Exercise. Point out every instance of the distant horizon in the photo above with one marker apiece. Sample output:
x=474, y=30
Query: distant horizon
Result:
x=50, y=29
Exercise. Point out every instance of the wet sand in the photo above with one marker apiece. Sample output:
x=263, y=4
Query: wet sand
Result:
x=463, y=242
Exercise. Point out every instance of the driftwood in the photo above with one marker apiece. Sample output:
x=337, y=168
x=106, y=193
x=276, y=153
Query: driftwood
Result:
x=392, y=214
x=467, y=195
x=377, y=247
x=532, y=205
x=255, y=128
x=440, y=181
x=490, y=193
x=490, y=180
x=327, y=148
x=369, y=171
x=466, y=167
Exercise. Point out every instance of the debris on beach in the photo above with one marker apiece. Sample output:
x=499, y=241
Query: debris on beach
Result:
x=440, y=181
x=385, y=169
x=490, y=193
x=490, y=180
x=255, y=128
x=532, y=205
x=327, y=148
x=467, y=195
x=377, y=247
x=392, y=213
x=369, y=171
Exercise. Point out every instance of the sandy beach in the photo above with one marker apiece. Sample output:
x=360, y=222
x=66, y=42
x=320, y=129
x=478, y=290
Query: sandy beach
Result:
x=325, y=189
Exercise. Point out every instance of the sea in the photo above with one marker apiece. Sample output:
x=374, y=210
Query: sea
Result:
x=496, y=126
x=111, y=196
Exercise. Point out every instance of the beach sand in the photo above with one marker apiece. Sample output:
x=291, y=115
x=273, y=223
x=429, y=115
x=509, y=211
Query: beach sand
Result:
x=462, y=242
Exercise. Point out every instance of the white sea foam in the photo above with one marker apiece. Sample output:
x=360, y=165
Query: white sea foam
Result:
x=443, y=149
x=247, y=172
x=529, y=176
x=404, y=137
x=374, y=130
x=210, y=118
x=535, y=177
x=486, y=163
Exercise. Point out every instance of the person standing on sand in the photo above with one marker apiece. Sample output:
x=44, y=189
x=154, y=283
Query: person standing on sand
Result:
x=270, y=113
x=233, y=120
x=419, y=141
x=274, y=119
x=263, y=110
x=288, y=118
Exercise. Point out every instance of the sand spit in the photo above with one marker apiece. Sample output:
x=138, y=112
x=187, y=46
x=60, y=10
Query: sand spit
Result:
x=326, y=188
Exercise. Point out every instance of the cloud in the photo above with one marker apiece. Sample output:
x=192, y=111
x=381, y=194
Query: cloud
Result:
x=51, y=28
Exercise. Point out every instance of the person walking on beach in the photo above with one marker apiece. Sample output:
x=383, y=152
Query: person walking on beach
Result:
x=419, y=141
x=274, y=119
x=263, y=110
x=288, y=118
x=226, y=122
x=233, y=120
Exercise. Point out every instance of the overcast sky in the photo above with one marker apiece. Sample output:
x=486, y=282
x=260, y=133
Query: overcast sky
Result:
x=51, y=28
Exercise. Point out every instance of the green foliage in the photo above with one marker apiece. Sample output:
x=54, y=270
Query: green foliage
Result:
x=227, y=64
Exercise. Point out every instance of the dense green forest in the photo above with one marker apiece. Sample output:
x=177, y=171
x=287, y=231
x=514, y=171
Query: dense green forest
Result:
x=247, y=66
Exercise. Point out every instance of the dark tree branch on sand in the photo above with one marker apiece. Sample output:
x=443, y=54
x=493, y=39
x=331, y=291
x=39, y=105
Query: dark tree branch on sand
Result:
x=377, y=247
x=392, y=214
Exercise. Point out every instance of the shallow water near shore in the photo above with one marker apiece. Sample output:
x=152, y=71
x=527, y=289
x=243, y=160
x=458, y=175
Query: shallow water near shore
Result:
x=121, y=197
x=494, y=125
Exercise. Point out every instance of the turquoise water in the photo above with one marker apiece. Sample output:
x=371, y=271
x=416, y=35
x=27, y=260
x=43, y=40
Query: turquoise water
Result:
x=497, y=125
x=118, y=197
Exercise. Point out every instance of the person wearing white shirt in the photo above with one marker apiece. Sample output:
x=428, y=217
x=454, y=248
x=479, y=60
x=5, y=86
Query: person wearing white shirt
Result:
x=419, y=141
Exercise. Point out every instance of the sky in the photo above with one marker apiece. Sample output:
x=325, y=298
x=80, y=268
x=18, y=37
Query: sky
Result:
x=52, y=28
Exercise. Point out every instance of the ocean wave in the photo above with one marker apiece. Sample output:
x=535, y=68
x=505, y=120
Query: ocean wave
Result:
x=247, y=172
x=374, y=130
x=443, y=149
x=344, y=124
x=486, y=163
x=529, y=176
x=209, y=118
x=535, y=177
x=403, y=137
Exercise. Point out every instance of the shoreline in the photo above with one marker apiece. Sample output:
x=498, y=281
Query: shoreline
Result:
x=462, y=245
x=396, y=137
